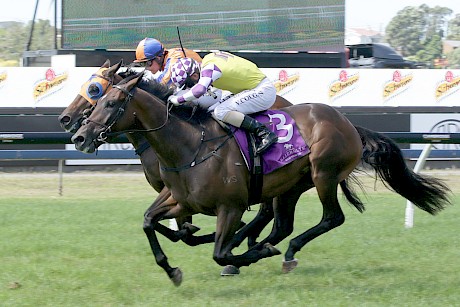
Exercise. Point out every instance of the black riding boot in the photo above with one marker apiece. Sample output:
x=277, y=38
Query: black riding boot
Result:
x=267, y=137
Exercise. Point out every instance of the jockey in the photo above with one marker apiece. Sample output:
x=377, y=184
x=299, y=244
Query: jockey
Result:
x=252, y=91
x=183, y=83
x=151, y=54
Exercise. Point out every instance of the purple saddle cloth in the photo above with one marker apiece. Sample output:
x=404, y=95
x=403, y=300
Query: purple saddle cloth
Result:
x=289, y=147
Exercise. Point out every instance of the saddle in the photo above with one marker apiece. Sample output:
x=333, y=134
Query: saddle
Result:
x=290, y=146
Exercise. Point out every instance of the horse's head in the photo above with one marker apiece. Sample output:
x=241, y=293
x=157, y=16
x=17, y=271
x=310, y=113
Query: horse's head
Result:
x=96, y=86
x=111, y=113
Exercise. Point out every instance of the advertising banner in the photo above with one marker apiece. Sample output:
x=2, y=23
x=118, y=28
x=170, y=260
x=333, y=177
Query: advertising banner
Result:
x=54, y=87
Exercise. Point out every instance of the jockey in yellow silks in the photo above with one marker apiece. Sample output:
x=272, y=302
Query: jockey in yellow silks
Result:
x=252, y=91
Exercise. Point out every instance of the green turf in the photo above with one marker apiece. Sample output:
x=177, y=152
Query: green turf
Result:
x=87, y=248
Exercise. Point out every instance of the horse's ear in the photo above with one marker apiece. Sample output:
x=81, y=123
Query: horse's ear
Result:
x=134, y=81
x=112, y=70
x=119, y=64
x=106, y=64
x=139, y=77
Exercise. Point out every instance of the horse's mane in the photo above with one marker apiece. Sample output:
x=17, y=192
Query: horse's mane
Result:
x=159, y=90
x=162, y=91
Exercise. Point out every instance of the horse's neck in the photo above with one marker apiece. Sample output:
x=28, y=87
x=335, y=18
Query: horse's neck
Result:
x=175, y=141
x=136, y=138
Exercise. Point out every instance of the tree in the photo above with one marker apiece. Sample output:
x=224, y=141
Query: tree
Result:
x=406, y=29
x=453, y=30
x=13, y=40
x=14, y=37
x=43, y=35
x=432, y=49
x=415, y=28
x=436, y=21
x=453, y=58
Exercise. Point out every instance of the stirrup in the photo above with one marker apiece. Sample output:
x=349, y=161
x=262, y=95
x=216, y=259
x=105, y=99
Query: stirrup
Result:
x=266, y=142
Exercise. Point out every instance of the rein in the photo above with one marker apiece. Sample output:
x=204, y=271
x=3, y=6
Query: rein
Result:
x=129, y=95
x=104, y=135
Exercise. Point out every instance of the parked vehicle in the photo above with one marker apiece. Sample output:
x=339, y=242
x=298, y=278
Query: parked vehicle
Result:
x=377, y=55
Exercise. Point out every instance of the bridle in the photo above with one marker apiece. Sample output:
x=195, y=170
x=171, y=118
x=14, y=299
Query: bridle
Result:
x=92, y=101
x=105, y=134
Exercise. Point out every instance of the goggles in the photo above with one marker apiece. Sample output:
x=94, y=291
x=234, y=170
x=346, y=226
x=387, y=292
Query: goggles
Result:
x=145, y=63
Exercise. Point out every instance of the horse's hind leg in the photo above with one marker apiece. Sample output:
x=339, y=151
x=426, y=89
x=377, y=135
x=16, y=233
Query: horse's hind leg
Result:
x=332, y=217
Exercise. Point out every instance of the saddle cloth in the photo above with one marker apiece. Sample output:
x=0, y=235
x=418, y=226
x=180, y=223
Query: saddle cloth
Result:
x=290, y=145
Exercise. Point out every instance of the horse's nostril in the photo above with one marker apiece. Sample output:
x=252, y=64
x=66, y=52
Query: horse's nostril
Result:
x=77, y=139
x=64, y=119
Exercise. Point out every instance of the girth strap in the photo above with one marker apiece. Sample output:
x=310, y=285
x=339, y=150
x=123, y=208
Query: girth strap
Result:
x=256, y=180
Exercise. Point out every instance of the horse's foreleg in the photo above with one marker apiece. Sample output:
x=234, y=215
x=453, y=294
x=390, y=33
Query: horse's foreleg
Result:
x=192, y=240
x=175, y=274
x=227, y=224
x=228, y=221
x=283, y=210
x=255, y=227
x=162, y=205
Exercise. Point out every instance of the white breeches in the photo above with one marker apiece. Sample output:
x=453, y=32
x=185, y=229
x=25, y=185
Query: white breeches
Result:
x=258, y=99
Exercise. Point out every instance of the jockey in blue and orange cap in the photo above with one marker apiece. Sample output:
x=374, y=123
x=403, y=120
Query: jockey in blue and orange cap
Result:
x=151, y=53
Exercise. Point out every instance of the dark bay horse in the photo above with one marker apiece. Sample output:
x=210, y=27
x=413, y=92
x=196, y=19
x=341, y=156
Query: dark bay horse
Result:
x=71, y=119
x=206, y=155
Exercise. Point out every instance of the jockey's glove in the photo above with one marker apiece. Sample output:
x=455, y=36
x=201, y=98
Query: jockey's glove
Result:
x=174, y=100
x=212, y=91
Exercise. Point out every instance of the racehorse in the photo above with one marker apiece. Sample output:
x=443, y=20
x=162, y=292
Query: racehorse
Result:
x=197, y=156
x=71, y=118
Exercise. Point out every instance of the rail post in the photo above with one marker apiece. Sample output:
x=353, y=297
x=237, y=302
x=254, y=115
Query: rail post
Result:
x=409, y=217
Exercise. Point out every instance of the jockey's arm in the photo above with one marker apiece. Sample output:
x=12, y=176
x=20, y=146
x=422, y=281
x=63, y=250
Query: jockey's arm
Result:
x=208, y=74
x=210, y=98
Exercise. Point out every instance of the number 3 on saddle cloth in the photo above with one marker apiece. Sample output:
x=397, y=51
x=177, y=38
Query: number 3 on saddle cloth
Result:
x=289, y=147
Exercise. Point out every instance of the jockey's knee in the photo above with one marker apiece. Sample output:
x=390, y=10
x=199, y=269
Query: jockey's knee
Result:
x=220, y=112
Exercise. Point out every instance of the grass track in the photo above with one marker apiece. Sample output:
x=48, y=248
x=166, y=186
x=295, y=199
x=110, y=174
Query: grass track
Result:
x=87, y=248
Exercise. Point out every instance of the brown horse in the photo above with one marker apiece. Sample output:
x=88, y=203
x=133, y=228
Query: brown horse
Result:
x=203, y=155
x=72, y=117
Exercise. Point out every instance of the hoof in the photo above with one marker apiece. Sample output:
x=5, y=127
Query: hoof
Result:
x=191, y=228
x=273, y=250
x=230, y=270
x=176, y=277
x=289, y=265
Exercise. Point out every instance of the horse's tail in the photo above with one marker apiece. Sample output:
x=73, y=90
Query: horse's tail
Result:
x=385, y=157
x=350, y=194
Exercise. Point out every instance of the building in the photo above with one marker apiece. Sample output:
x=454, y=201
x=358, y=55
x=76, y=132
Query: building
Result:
x=354, y=36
